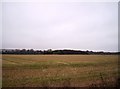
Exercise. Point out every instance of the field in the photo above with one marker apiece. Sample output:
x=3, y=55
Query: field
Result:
x=58, y=70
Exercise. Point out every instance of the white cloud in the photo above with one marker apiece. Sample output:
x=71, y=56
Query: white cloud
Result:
x=90, y=25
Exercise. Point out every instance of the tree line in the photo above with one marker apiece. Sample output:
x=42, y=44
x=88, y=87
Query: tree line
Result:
x=50, y=51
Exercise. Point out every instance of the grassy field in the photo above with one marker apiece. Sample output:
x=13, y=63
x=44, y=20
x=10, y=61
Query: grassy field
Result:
x=58, y=70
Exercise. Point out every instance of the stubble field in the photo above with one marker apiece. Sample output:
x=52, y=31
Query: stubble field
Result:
x=58, y=70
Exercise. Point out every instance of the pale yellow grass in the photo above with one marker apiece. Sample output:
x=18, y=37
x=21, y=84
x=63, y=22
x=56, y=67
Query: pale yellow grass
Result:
x=57, y=70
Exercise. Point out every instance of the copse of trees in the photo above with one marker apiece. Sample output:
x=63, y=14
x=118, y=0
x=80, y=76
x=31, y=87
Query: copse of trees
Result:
x=50, y=51
x=68, y=52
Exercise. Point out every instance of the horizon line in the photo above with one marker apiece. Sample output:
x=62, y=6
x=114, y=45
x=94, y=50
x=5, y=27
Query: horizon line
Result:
x=59, y=49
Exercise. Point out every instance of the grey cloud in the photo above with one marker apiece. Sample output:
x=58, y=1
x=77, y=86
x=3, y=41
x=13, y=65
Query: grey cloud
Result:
x=79, y=25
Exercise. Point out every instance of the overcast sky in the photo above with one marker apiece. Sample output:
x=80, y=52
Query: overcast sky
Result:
x=60, y=25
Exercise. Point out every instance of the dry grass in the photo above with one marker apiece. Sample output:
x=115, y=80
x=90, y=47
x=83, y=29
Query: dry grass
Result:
x=57, y=70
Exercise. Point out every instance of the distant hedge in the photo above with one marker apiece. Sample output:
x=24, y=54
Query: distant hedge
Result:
x=50, y=51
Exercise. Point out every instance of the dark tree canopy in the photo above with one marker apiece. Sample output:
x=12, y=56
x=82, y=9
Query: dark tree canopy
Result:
x=50, y=51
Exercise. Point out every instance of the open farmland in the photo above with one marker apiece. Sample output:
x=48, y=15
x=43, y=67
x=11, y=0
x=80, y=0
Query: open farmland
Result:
x=58, y=70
